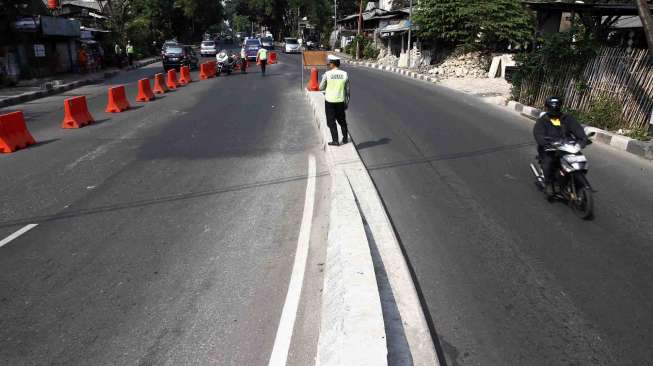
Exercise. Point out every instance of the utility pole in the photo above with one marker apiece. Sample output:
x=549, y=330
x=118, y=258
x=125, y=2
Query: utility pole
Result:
x=647, y=23
x=410, y=27
x=360, y=29
x=299, y=19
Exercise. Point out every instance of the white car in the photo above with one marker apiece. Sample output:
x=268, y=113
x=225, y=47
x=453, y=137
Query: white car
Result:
x=208, y=48
x=290, y=45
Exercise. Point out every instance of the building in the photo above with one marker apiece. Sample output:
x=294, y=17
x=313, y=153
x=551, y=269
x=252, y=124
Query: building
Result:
x=620, y=22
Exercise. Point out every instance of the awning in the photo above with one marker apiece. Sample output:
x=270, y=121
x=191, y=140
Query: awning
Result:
x=397, y=28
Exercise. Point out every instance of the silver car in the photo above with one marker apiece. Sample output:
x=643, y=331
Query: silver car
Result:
x=208, y=48
x=291, y=45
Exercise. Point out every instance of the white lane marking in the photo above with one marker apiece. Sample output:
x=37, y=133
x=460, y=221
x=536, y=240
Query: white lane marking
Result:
x=18, y=233
x=281, y=347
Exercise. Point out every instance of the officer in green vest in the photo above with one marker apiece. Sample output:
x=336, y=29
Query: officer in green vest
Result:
x=262, y=59
x=335, y=84
x=130, y=53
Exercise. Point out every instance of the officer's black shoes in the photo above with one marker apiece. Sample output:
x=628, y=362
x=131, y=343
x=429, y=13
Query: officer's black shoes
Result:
x=334, y=143
x=345, y=140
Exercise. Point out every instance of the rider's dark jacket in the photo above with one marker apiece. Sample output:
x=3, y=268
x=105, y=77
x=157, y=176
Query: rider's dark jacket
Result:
x=568, y=127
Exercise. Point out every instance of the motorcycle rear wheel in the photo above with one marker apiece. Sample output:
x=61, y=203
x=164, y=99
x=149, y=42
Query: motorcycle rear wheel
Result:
x=583, y=204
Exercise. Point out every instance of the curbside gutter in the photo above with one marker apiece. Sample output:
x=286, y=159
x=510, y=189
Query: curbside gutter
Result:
x=29, y=96
x=638, y=148
x=398, y=312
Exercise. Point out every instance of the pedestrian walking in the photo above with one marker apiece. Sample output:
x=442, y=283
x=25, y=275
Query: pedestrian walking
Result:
x=130, y=53
x=262, y=59
x=335, y=84
x=118, y=51
x=82, y=59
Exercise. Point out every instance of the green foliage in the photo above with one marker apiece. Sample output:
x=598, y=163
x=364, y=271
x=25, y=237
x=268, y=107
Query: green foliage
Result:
x=368, y=49
x=555, y=56
x=604, y=112
x=475, y=24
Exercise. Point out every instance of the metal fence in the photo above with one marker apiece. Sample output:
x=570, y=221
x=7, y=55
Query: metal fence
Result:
x=621, y=74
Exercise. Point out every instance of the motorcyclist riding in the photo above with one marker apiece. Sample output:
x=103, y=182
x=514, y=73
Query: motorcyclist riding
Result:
x=553, y=126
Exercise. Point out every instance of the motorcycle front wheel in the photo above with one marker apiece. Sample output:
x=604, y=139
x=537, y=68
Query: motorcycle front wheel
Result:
x=583, y=203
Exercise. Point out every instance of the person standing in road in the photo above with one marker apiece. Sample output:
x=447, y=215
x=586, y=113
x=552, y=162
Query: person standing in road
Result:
x=130, y=53
x=118, y=51
x=335, y=84
x=243, y=60
x=262, y=58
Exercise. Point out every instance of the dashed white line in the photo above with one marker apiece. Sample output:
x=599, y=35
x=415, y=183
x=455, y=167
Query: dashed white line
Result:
x=18, y=233
x=282, y=340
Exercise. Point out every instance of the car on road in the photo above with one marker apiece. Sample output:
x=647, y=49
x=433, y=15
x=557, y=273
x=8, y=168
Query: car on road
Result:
x=208, y=48
x=252, y=45
x=268, y=43
x=176, y=56
x=291, y=45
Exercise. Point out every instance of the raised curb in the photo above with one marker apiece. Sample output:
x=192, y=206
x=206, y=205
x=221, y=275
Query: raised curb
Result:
x=29, y=96
x=641, y=149
x=409, y=340
x=352, y=329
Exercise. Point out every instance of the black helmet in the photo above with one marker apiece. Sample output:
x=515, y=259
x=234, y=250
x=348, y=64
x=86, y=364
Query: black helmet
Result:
x=553, y=106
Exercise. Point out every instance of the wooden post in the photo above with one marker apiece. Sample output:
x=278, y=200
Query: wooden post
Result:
x=360, y=29
x=647, y=23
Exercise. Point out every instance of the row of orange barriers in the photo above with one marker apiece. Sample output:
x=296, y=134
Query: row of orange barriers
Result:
x=14, y=134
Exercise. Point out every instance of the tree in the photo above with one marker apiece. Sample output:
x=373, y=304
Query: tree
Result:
x=476, y=24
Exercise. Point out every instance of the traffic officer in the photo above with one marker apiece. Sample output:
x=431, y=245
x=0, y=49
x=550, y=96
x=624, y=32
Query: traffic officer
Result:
x=262, y=58
x=335, y=84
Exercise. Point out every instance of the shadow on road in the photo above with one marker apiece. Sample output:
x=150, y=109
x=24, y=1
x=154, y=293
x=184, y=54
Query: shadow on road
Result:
x=367, y=144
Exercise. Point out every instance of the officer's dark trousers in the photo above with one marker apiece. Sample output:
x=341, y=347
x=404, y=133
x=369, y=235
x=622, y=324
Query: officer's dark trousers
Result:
x=336, y=112
x=263, y=63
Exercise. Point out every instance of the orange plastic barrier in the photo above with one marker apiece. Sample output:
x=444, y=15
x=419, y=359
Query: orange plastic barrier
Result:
x=204, y=71
x=212, y=69
x=76, y=114
x=313, y=84
x=117, y=101
x=273, y=58
x=145, y=93
x=159, y=84
x=13, y=132
x=172, y=79
x=185, y=75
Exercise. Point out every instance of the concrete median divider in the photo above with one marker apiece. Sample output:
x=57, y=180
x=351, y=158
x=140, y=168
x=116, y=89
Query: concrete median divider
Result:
x=145, y=93
x=390, y=302
x=117, y=100
x=14, y=134
x=76, y=114
x=160, y=84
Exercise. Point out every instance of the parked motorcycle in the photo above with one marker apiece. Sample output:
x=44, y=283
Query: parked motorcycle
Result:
x=225, y=63
x=571, y=184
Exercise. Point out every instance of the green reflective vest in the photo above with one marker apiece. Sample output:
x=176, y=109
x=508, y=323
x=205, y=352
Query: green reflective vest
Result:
x=262, y=54
x=336, y=83
x=130, y=49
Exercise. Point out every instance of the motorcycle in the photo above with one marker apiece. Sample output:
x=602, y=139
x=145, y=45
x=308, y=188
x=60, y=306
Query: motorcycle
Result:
x=225, y=63
x=240, y=64
x=571, y=184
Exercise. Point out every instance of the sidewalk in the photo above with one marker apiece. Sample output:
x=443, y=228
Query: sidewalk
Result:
x=32, y=89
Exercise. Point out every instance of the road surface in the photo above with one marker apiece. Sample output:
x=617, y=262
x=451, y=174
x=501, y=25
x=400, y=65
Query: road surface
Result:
x=507, y=278
x=167, y=233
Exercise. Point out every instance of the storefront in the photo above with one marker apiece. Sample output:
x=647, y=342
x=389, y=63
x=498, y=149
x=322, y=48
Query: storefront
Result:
x=45, y=45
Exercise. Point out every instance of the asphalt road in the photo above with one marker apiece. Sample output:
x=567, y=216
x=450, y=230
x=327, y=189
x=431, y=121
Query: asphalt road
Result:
x=166, y=234
x=507, y=278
